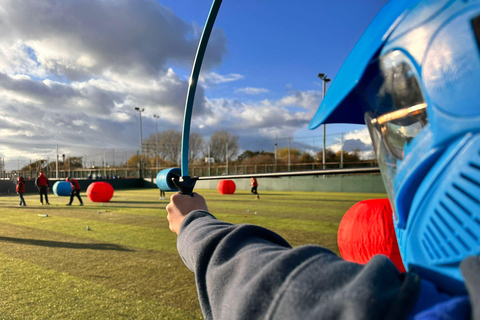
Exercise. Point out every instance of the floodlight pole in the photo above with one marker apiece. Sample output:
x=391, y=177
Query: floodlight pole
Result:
x=208, y=161
x=288, y=154
x=324, y=79
x=56, y=164
x=341, y=151
x=141, y=138
x=156, y=140
x=104, y=164
x=276, y=157
x=226, y=157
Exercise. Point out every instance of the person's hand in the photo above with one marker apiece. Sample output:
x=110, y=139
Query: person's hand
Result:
x=180, y=205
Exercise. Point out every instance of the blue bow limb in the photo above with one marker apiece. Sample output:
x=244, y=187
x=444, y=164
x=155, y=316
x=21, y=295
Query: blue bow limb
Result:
x=185, y=183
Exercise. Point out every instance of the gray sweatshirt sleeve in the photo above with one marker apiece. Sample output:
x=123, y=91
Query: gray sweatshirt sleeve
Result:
x=248, y=272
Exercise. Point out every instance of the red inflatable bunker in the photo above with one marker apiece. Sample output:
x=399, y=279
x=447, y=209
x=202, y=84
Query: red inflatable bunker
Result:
x=226, y=187
x=100, y=191
x=367, y=229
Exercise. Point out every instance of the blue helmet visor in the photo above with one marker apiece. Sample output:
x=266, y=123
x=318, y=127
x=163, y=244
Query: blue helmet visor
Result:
x=346, y=101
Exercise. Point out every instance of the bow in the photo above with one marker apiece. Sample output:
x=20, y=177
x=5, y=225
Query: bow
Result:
x=184, y=182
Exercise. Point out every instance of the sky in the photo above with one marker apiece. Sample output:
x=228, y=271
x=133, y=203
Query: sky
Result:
x=73, y=72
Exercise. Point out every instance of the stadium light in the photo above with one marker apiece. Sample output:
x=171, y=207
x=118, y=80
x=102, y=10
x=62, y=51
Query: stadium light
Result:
x=156, y=139
x=141, y=137
x=324, y=79
x=141, y=143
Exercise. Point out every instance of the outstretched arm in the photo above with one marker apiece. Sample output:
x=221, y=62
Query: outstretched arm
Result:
x=248, y=272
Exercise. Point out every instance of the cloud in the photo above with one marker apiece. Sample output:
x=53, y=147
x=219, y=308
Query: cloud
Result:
x=251, y=90
x=211, y=79
x=72, y=72
x=309, y=100
x=77, y=39
x=355, y=141
x=266, y=118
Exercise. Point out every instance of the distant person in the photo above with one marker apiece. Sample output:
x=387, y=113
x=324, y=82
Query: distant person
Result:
x=75, y=191
x=43, y=186
x=254, y=184
x=162, y=194
x=21, y=190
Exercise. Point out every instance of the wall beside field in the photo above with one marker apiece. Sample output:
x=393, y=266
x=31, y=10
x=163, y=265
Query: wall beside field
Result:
x=370, y=183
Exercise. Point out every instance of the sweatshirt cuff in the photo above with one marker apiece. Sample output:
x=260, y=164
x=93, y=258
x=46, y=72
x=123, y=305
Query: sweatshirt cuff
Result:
x=194, y=229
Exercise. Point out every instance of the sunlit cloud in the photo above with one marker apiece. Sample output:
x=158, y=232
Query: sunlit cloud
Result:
x=212, y=78
x=251, y=90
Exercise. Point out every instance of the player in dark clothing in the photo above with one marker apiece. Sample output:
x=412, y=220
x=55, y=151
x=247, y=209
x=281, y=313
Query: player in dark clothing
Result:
x=43, y=186
x=254, y=184
x=21, y=190
x=75, y=191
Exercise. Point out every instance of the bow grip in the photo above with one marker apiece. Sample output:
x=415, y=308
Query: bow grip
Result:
x=184, y=184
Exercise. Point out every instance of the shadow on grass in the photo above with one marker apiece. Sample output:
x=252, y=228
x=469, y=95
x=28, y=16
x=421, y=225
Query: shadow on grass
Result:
x=130, y=202
x=70, y=245
x=112, y=208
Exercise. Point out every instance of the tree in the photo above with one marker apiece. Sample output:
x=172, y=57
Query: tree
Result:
x=283, y=153
x=258, y=157
x=247, y=155
x=37, y=166
x=265, y=158
x=219, y=142
x=52, y=166
x=195, y=146
x=73, y=163
x=306, y=158
x=353, y=156
x=152, y=161
x=149, y=149
x=133, y=161
x=330, y=156
x=170, y=144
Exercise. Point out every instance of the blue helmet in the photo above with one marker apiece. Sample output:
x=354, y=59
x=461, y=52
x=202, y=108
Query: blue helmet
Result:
x=414, y=79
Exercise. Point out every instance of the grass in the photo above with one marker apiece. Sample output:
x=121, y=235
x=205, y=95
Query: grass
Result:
x=126, y=265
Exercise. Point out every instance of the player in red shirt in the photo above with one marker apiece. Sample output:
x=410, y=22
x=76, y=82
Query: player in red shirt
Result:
x=254, y=184
x=43, y=186
x=20, y=190
x=75, y=191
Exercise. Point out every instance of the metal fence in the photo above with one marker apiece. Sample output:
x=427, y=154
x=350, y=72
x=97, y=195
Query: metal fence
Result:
x=101, y=163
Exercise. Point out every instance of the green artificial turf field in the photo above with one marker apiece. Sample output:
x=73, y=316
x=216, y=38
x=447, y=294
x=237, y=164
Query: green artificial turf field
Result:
x=125, y=265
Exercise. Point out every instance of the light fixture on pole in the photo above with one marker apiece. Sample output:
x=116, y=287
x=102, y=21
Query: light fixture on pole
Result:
x=141, y=137
x=276, y=157
x=156, y=140
x=141, y=141
x=324, y=79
